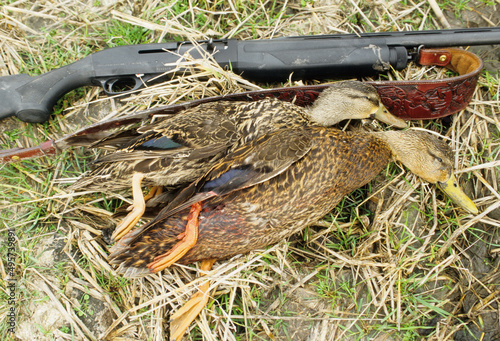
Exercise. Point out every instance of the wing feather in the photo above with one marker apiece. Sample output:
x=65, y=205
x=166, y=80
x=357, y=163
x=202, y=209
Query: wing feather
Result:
x=255, y=162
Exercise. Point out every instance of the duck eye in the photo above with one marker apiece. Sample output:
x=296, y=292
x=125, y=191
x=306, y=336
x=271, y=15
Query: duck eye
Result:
x=439, y=159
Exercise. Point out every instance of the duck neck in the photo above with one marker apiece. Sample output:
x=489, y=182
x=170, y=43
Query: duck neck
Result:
x=402, y=144
x=323, y=113
x=406, y=147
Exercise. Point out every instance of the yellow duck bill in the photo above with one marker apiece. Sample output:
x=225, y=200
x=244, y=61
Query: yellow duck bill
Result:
x=453, y=190
x=383, y=115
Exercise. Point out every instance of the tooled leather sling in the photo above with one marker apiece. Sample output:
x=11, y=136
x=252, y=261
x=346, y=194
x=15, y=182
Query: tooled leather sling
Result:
x=409, y=100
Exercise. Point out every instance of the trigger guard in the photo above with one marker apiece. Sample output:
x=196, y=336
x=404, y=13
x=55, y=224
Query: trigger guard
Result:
x=109, y=84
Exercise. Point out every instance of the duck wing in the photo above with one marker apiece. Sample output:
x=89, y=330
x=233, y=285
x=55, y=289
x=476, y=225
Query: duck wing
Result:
x=104, y=139
x=163, y=155
x=258, y=161
x=254, y=162
x=201, y=133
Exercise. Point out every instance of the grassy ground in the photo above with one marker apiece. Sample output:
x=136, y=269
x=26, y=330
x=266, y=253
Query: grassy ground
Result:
x=403, y=265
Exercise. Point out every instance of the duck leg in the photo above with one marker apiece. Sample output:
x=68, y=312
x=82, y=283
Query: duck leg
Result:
x=138, y=208
x=188, y=239
x=181, y=320
x=153, y=192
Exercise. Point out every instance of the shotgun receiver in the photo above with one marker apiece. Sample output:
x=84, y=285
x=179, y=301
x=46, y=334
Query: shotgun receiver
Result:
x=122, y=69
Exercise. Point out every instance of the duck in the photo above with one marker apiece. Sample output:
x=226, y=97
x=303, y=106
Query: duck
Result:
x=176, y=151
x=265, y=191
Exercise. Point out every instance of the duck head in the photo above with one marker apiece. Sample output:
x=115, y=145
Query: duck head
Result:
x=429, y=158
x=351, y=100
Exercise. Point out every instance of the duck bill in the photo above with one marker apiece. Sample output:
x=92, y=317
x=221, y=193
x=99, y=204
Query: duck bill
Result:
x=451, y=188
x=383, y=115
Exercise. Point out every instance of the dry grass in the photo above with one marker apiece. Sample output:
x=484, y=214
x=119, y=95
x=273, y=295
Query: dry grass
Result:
x=391, y=258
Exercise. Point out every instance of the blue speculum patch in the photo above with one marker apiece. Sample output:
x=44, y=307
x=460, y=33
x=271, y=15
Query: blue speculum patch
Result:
x=161, y=143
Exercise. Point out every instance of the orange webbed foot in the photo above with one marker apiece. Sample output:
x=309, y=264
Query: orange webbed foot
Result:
x=138, y=208
x=187, y=240
x=183, y=318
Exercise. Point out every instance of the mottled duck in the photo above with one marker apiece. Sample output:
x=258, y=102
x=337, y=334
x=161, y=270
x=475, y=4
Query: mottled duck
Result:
x=176, y=151
x=267, y=190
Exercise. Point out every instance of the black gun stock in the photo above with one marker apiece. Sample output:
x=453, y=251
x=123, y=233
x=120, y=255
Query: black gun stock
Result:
x=122, y=69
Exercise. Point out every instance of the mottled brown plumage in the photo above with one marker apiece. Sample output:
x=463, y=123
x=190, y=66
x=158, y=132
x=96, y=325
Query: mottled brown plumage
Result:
x=177, y=150
x=266, y=200
x=266, y=190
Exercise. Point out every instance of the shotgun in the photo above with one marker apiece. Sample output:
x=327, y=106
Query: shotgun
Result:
x=120, y=70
